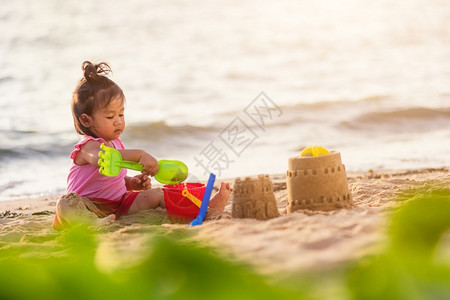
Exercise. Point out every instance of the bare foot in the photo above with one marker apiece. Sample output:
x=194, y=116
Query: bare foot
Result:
x=108, y=220
x=220, y=199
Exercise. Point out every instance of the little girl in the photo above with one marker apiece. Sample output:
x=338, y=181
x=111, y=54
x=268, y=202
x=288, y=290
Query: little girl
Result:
x=98, y=115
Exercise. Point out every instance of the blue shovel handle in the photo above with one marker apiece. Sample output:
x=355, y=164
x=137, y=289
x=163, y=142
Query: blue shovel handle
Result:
x=205, y=202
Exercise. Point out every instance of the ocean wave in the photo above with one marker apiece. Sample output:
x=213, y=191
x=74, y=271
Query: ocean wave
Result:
x=6, y=79
x=337, y=103
x=416, y=118
x=34, y=151
x=292, y=113
x=162, y=130
x=322, y=105
x=20, y=144
x=28, y=144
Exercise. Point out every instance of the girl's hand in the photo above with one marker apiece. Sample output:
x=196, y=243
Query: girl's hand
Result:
x=140, y=182
x=149, y=164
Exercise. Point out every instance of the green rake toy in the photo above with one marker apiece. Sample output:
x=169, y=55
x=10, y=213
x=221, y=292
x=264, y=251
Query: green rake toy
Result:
x=111, y=163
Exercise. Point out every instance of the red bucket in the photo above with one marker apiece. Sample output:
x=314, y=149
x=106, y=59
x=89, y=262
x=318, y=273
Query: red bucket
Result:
x=179, y=208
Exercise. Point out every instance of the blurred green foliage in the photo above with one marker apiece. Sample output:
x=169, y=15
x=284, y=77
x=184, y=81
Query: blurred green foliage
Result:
x=409, y=268
x=172, y=270
x=177, y=268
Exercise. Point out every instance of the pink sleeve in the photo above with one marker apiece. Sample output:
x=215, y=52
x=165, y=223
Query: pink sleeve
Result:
x=78, y=146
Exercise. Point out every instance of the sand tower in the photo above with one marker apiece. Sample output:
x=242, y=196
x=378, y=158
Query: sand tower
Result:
x=317, y=182
x=254, y=198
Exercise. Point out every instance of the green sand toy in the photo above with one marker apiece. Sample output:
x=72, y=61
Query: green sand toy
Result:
x=111, y=163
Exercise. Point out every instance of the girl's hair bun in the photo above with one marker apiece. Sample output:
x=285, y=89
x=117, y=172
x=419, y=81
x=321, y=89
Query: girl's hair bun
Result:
x=92, y=72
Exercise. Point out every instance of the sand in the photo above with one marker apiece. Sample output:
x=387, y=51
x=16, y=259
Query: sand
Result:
x=301, y=241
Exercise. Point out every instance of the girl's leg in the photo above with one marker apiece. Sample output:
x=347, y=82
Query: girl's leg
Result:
x=147, y=199
x=154, y=198
x=72, y=209
x=220, y=199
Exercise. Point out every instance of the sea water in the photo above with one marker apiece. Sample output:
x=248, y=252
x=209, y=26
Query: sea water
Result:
x=230, y=87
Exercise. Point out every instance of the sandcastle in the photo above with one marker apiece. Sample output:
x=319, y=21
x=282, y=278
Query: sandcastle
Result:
x=317, y=183
x=254, y=198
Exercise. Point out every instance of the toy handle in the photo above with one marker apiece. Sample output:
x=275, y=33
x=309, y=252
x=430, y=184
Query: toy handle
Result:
x=191, y=197
x=130, y=165
x=205, y=201
x=170, y=171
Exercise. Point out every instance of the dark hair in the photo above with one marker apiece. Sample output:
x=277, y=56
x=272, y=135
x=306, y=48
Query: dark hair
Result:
x=93, y=91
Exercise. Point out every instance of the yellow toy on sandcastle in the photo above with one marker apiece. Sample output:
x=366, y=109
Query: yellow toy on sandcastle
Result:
x=317, y=180
x=254, y=198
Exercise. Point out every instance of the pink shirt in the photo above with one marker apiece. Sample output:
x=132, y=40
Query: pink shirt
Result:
x=86, y=181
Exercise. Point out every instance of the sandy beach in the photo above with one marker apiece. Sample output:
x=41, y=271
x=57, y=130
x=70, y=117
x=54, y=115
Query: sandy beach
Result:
x=302, y=241
x=233, y=88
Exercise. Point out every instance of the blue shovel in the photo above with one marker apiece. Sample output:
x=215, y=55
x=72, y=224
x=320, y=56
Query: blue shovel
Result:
x=205, y=201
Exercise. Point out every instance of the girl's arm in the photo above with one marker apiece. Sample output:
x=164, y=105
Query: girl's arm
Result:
x=89, y=155
x=149, y=163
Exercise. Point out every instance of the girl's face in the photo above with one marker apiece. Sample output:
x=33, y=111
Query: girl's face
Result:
x=109, y=122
